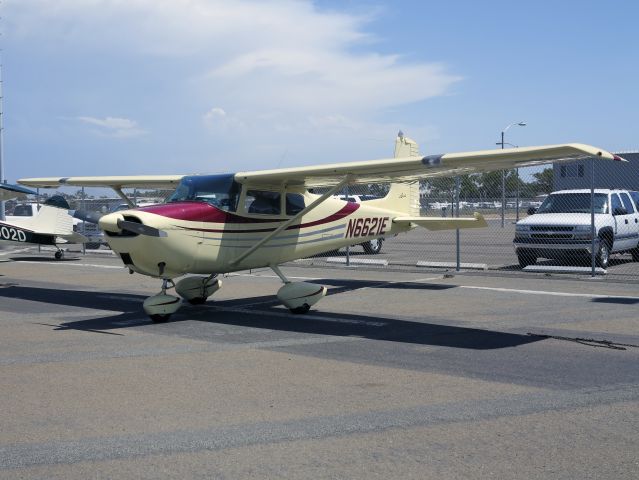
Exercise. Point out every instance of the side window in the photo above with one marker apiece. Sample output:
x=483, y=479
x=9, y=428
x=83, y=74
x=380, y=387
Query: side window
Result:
x=635, y=198
x=615, y=203
x=294, y=203
x=627, y=204
x=263, y=202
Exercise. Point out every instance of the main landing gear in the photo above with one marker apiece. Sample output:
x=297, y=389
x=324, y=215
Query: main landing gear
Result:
x=298, y=297
x=59, y=254
x=194, y=290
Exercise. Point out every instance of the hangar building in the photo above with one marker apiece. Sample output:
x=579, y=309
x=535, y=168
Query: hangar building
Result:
x=607, y=174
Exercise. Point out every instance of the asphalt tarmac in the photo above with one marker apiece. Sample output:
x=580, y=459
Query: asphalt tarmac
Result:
x=392, y=375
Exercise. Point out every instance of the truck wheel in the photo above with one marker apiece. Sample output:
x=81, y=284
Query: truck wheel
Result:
x=92, y=246
x=373, y=247
x=603, y=255
x=526, y=258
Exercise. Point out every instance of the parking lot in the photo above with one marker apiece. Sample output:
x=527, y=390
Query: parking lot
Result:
x=491, y=247
x=392, y=375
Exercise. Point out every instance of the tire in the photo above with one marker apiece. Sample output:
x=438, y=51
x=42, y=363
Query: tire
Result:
x=301, y=310
x=92, y=246
x=159, y=318
x=526, y=258
x=602, y=259
x=58, y=255
x=197, y=301
x=373, y=247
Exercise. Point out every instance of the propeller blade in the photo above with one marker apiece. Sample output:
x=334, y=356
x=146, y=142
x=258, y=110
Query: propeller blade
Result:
x=140, y=228
x=91, y=217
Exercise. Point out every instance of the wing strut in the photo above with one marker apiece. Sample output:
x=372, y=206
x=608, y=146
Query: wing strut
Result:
x=123, y=196
x=271, y=235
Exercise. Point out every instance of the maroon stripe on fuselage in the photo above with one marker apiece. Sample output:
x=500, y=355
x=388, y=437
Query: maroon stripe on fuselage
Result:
x=203, y=212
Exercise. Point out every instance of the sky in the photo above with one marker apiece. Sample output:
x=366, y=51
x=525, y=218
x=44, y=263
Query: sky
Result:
x=118, y=87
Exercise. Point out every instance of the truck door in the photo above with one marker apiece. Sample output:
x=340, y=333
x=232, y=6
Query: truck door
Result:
x=623, y=227
x=632, y=219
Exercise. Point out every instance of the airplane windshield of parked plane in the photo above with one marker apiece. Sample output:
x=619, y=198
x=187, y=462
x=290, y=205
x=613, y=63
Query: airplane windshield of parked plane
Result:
x=221, y=191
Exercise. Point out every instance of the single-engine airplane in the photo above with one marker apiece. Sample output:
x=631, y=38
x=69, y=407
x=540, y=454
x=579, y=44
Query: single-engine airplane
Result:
x=51, y=225
x=215, y=224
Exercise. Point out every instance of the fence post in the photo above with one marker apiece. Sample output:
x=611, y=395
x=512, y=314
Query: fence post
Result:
x=84, y=224
x=592, y=218
x=457, y=188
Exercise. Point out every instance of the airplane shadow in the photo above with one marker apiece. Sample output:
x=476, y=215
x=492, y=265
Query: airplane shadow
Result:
x=45, y=259
x=270, y=317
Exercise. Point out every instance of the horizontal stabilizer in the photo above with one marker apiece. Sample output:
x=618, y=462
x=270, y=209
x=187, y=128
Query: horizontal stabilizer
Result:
x=443, y=223
x=9, y=192
x=74, y=237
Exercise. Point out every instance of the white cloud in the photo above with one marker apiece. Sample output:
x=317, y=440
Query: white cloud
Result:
x=283, y=73
x=114, y=126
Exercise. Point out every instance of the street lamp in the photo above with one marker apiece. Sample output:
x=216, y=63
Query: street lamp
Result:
x=503, y=175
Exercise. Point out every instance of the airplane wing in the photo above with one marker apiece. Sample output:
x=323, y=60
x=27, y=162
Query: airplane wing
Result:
x=9, y=192
x=116, y=182
x=439, y=223
x=408, y=169
x=403, y=169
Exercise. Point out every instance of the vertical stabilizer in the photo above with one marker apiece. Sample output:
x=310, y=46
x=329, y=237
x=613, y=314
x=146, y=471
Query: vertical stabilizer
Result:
x=402, y=197
x=53, y=217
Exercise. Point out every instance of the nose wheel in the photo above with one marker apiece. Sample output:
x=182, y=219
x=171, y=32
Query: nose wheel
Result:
x=160, y=307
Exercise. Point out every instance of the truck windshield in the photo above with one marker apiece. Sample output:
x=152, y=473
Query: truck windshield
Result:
x=573, y=203
x=218, y=190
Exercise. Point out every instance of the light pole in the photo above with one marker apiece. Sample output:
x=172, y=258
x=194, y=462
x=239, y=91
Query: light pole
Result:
x=503, y=174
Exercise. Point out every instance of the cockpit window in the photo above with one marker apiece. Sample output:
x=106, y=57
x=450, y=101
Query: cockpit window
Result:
x=221, y=191
x=263, y=202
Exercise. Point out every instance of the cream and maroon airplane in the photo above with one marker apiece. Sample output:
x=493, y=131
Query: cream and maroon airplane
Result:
x=214, y=224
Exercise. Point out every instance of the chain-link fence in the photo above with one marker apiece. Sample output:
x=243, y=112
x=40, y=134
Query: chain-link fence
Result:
x=581, y=217
x=572, y=217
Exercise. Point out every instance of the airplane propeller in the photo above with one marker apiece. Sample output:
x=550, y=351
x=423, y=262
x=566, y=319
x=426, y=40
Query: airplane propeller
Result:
x=133, y=227
x=140, y=228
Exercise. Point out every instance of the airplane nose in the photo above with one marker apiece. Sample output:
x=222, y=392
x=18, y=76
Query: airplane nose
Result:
x=109, y=223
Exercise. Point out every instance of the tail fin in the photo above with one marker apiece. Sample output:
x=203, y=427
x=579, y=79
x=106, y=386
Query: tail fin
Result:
x=402, y=197
x=53, y=217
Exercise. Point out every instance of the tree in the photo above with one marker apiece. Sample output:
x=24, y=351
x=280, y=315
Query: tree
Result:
x=544, y=181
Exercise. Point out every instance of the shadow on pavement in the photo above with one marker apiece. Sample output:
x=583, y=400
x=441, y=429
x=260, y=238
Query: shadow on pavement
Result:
x=269, y=317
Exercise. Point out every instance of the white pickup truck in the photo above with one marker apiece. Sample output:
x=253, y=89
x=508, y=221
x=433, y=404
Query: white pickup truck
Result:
x=561, y=227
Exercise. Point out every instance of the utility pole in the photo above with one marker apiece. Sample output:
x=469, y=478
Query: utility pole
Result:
x=2, y=179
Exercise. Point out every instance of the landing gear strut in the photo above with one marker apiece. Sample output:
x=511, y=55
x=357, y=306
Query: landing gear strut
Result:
x=298, y=297
x=196, y=290
x=160, y=307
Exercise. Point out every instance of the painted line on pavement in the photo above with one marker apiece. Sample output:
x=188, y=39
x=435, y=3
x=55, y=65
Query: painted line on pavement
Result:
x=66, y=264
x=545, y=292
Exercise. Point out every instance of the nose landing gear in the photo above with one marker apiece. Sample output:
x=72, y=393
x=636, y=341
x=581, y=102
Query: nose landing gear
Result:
x=196, y=290
x=160, y=307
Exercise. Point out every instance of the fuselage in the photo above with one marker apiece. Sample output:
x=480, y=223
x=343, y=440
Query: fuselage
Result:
x=203, y=238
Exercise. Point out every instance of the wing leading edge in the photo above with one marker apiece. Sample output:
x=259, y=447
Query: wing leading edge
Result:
x=116, y=182
x=403, y=169
x=408, y=169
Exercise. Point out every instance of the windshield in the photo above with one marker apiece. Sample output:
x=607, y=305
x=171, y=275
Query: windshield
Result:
x=218, y=190
x=22, y=211
x=573, y=203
